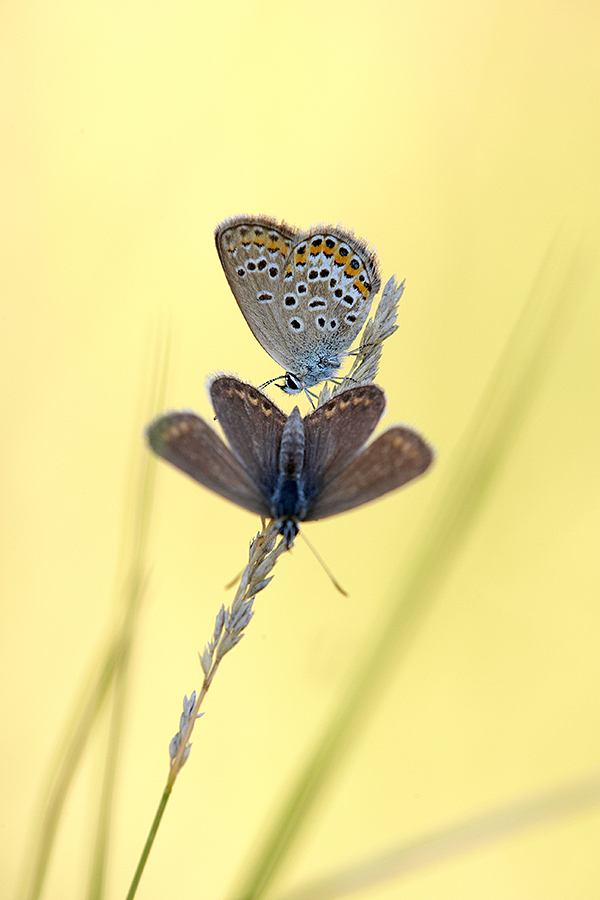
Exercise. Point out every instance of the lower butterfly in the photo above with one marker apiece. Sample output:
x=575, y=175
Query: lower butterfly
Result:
x=289, y=468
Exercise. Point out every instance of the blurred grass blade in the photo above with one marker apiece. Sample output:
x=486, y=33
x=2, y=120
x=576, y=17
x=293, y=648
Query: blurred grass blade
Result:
x=135, y=584
x=474, y=467
x=461, y=837
x=109, y=674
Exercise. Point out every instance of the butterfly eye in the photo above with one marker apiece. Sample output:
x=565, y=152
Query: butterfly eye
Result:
x=292, y=385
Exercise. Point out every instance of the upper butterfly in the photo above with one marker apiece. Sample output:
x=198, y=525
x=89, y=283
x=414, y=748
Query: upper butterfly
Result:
x=304, y=294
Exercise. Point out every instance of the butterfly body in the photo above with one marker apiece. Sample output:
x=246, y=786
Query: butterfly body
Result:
x=290, y=468
x=287, y=505
x=304, y=294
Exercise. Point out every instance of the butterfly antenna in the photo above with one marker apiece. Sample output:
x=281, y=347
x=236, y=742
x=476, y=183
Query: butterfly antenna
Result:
x=320, y=559
x=270, y=381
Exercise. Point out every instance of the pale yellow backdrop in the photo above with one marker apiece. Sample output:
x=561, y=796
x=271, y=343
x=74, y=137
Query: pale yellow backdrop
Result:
x=457, y=138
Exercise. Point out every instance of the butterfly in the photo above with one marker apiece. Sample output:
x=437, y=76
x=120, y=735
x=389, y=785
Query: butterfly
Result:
x=304, y=294
x=289, y=468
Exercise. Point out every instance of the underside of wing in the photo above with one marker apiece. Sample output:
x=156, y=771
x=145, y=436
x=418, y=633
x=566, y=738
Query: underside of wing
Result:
x=191, y=445
x=253, y=252
x=391, y=461
x=305, y=295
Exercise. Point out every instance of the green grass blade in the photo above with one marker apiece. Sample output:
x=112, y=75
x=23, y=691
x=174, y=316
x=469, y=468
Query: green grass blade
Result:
x=461, y=837
x=477, y=462
x=109, y=673
x=136, y=581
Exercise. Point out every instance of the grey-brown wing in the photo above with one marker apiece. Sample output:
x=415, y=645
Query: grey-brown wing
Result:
x=395, y=458
x=305, y=295
x=335, y=434
x=253, y=252
x=188, y=443
x=253, y=426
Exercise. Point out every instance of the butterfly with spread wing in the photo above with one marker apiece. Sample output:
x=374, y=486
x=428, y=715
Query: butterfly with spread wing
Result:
x=289, y=468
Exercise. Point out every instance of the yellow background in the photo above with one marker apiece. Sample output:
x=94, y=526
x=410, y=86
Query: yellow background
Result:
x=457, y=138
